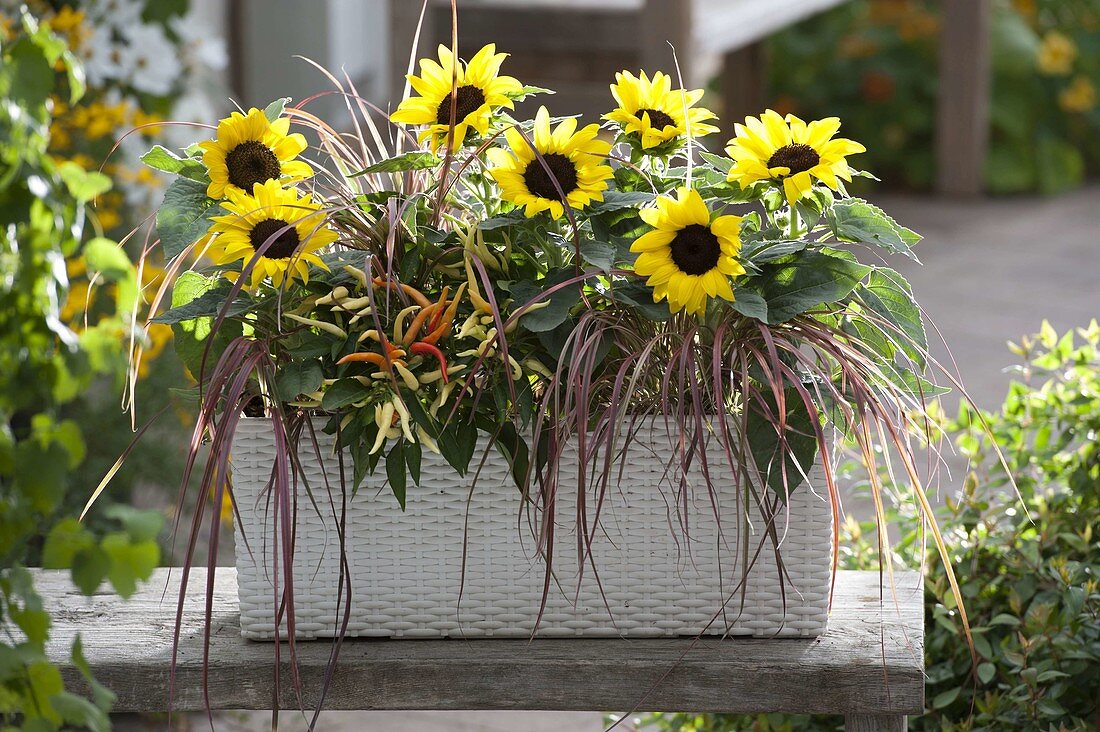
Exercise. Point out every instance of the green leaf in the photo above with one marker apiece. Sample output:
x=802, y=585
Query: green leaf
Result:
x=945, y=698
x=986, y=672
x=131, y=562
x=765, y=250
x=395, y=471
x=749, y=303
x=342, y=393
x=297, y=378
x=103, y=697
x=209, y=304
x=140, y=525
x=32, y=75
x=160, y=158
x=108, y=259
x=418, y=160
x=597, y=253
x=90, y=568
x=80, y=712
x=413, y=455
x=65, y=540
x=809, y=280
x=527, y=91
x=561, y=302
x=722, y=163
x=84, y=185
x=889, y=295
x=618, y=200
x=641, y=298
x=796, y=449
x=191, y=335
x=275, y=110
x=184, y=216
x=457, y=444
x=855, y=220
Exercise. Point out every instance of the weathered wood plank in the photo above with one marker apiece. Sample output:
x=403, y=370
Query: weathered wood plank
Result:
x=962, y=123
x=874, y=723
x=870, y=661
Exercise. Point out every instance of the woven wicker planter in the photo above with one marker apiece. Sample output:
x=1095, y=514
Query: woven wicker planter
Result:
x=408, y=579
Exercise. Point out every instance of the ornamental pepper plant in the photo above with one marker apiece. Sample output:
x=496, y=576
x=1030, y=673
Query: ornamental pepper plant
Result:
x=409, y=282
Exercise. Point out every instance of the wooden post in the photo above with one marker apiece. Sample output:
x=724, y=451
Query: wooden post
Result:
x=962, y=124
x=744, y=81
x=874, y=723
x=665, y=22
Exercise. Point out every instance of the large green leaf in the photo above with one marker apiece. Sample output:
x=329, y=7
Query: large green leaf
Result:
x=298, y=377
x=855, y=220
x=889, y=295
x=561, y=302
x=408, y=161
x=809, y=280
x=794, y=447
x=185, y=215
x=160, y=158
x=191, y=335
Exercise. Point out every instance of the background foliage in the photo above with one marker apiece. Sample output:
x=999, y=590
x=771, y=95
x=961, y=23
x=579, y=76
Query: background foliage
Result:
x=1029, y=569
x=874, y=60
x=47, y=370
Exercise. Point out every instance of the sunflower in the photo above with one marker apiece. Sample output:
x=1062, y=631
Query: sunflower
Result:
x=791, y=152
x=249, y=150
x=652, y=113
x=688, y=257
x=478, y=90
x=277, y=217
x=574, y=158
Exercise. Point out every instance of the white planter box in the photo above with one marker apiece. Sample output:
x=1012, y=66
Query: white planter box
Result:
x=407, y=567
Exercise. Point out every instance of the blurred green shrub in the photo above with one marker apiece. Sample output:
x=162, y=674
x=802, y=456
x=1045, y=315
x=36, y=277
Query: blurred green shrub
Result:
x=45, y=369
x=1029, y=569
x=874, y=63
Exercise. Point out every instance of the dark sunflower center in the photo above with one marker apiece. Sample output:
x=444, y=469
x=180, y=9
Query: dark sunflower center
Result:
x=285, y=243
x=695, y=250
x=796, y=156
x=541, y=184
x=251, y=162
x=657, y=118
x=469, y=99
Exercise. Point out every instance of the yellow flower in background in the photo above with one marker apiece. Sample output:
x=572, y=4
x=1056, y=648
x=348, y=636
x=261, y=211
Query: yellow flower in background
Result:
x=249, y=150
x=69, y=23
x=1079, y=96
x=575, y=158
x=687, y=257
x=288, y=225
x=790, y=152
x=654, y=112
x=478, y=90
x=1056, y=55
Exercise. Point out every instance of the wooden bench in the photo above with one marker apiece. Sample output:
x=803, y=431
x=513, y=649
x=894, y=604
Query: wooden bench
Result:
x=868, y=667
x=576, y=46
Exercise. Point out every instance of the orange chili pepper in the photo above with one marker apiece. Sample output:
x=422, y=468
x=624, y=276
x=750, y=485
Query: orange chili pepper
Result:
x=418, y=322
x=365, y=356
x=417, y=296
x=384, y=362
x=441, y=306
x=427, y=349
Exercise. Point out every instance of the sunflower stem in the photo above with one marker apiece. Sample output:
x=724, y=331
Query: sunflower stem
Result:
x=794, y=225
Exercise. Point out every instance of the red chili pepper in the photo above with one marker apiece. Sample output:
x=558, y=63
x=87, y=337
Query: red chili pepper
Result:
x=427, y=349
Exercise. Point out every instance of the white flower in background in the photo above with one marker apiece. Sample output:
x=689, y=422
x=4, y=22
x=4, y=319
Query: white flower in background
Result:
x=199, y=47
x=104, y=59
x=120, y=14
x=153, y=64
x=195, y=105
